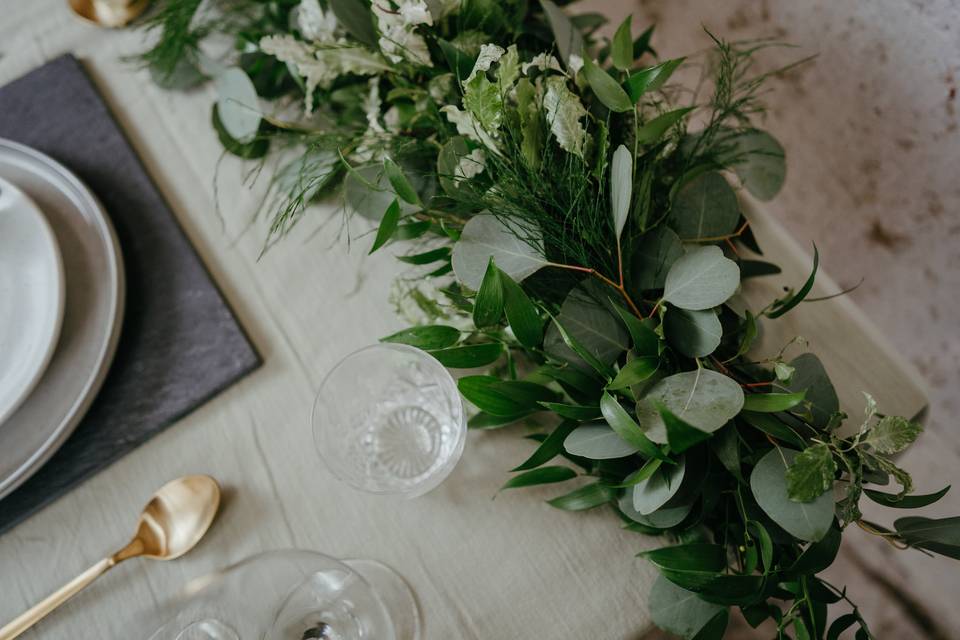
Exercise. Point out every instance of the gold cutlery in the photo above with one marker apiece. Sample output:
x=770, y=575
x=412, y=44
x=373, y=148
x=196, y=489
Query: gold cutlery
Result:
x=109, y=13
x=172, y=523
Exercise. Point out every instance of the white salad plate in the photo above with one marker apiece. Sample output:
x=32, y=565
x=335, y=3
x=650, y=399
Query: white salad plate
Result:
x=94, y=283
x=31, y=296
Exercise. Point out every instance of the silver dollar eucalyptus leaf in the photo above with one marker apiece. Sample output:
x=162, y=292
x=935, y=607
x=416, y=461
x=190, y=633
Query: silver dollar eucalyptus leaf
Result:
x=237, y=104
x=702, y=279
x=518, y=252
x=768, y=482
x=705, y=399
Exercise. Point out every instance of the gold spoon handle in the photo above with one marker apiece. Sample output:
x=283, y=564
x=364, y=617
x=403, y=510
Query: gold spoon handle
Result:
x=36, y=613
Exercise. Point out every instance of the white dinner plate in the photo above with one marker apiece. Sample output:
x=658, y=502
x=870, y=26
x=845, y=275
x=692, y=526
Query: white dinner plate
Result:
x=93, y=276
x=31, y=296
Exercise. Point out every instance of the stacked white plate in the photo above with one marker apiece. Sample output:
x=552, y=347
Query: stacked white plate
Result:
x=61, y=304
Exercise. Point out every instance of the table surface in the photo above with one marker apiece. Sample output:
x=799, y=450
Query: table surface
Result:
x=481, y=568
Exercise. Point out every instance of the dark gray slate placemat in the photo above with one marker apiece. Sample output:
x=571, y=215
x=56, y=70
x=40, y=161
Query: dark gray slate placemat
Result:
x=180, y=344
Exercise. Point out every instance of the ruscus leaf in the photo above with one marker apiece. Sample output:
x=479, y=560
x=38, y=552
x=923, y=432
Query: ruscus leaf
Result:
x=398, y=180
x=772, y=402
x=607, y=90
x=488, y=306
x=792, y=301
x=551, y=447
x=469, y=356
x=586, y=497
x=621, y=47
x=426, y=337
x=388, y=225
x=521, y=313
x=621, y=188
x=543, y=475
x=651, y=78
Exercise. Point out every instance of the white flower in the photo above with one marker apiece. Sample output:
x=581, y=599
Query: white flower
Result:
x=399, y=39
x=392, y=119
x=468, y=126
x=576, y=63
x=371, y=106
x=564, y=111
x=314, y=24
x=414, y=13
x=470, y=165
x=320, y=67
x=542, y=61
x=489, y=53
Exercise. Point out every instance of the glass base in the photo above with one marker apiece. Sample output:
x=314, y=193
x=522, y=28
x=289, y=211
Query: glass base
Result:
x=395, y=593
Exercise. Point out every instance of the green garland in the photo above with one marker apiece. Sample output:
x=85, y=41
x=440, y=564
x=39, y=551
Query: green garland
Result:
x=586, y=248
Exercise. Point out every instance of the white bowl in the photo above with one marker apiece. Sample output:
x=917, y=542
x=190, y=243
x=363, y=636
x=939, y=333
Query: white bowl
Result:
x=31, y=296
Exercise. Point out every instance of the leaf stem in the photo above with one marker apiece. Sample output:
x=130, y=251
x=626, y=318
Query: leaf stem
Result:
x=735, y=234
x=891, y=538
x=604, y=279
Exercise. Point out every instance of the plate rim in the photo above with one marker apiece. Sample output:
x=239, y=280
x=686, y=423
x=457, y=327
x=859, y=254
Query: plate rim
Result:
x=52, y=333
x=81, y=404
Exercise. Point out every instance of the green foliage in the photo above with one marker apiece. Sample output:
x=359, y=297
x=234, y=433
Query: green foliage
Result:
x=892, y=434
x=488, y=305
x=357, y=19
x=701, y=279
x=811, y=474
x=781, y=306
x=543, y=475
x=651, y=78
x=607, y=90
x=426, y=337
x=769, y=484
x=597, y=204
x=388, y=226
x=621, y=47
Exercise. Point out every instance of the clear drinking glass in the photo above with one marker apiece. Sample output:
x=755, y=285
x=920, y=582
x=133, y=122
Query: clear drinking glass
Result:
x=295, y=595
x=388, y=419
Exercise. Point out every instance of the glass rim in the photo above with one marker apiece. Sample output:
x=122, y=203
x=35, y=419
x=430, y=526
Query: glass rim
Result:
x=430, y=482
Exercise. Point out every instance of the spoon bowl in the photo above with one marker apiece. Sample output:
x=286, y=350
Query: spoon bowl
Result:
x=171, y=524
x=177, y=517
x=107, y=13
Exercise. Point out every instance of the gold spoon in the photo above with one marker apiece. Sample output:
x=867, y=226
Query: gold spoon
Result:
x=171, y=524
x=109, y=13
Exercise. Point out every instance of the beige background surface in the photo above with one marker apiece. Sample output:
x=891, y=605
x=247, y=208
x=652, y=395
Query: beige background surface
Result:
x=870, y=134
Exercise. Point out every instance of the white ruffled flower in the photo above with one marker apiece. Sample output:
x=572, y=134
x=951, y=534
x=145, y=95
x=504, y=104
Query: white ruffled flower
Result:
x=471, y=165
x=576, y=63
x=542, y=61
x=414, y=13
x=314, y=24
x=468, y=126
x=371, y=106
x=392, y=119
x=399, y=39
x=320, y=67
x=489, y=53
